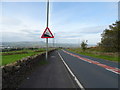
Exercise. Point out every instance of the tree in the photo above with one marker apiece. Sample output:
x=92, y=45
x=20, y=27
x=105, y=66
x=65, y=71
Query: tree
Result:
x=110, y=41
x=84, y=45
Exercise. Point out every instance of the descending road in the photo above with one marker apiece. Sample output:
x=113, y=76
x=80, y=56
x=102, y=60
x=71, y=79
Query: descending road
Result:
x=52, y=75
x=88, y=72
x=92, y=72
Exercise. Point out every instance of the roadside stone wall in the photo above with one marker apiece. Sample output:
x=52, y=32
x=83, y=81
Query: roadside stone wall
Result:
x=13, y=74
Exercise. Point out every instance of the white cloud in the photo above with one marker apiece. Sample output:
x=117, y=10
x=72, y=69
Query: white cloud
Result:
x=14, y=29
x=24, y=28
x=18, y=25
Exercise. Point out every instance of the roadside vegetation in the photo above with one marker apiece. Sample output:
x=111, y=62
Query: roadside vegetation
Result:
x=12, y=56
x=97, y=54
x=110, y=41
x=108, y=48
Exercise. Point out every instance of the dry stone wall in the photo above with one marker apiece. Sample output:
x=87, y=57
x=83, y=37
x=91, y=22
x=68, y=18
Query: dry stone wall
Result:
x=14, y=73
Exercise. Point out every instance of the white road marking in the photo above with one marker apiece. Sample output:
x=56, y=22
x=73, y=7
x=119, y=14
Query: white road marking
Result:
x=112, y=71
x=108, y=68
x=77, y=81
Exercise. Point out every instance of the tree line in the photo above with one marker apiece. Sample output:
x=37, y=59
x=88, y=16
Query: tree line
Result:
x=110, y=41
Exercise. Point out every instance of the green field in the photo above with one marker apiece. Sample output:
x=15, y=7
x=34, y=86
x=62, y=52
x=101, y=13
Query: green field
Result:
x=96, y=54
x=7, y=57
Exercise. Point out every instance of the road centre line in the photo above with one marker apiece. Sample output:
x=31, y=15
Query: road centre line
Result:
x=109, y=68
x=75, y=78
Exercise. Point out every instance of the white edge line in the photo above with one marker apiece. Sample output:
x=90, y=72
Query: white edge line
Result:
x=112, y=71
x=101, y=64
x=77, y=81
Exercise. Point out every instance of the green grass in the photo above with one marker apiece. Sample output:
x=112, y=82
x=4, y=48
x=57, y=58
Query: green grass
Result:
x=24, y=50
x=90, y=53
x=6, y=59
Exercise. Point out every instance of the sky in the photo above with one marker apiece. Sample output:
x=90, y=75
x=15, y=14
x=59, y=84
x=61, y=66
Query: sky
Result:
x=70, y=22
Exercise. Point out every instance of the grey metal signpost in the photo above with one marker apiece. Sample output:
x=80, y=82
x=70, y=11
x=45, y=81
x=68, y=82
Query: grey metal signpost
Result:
x=47, y=33
x=46, y=48
x=47, y=26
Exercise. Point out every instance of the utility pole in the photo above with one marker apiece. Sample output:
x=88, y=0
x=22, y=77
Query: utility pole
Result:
x=47, y=26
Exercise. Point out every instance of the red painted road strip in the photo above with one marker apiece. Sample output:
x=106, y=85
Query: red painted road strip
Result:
x=109, y=68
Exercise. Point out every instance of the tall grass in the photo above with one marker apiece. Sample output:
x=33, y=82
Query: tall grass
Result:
x=97, y=54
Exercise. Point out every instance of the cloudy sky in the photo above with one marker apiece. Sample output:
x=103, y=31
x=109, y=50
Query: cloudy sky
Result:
x=71, y=22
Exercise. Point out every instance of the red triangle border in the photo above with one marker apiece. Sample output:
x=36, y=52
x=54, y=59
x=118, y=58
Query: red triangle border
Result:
x=45, y=31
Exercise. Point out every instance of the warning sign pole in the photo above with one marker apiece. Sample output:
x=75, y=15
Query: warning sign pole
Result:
x=46, y=48
x=47, y=13
x=47, y=26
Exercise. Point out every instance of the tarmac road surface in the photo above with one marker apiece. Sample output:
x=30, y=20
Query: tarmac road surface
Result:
x=52, y=75
x=90, y=72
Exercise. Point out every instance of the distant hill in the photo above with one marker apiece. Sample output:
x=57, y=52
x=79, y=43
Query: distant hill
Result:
x=23, y=44
x=37, y=44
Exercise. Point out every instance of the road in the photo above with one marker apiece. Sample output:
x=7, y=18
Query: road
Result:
x=90, y=72
x=52, y=75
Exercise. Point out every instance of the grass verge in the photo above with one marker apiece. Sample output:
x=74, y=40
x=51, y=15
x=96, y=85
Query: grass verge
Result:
x=6, y=59
x=97, y=55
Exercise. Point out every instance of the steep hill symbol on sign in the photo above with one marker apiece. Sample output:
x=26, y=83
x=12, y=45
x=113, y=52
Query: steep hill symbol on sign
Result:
x=47, y=34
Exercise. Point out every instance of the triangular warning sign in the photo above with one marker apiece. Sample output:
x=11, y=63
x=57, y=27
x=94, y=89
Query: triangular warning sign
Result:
x=47, y=33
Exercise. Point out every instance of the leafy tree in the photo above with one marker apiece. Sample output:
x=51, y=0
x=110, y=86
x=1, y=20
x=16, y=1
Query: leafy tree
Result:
x=84, y=45
x=110, y=41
